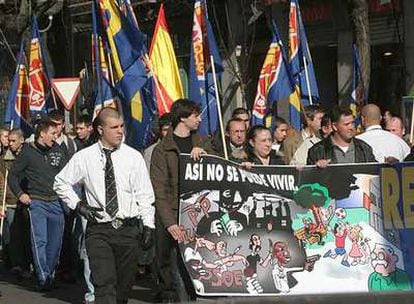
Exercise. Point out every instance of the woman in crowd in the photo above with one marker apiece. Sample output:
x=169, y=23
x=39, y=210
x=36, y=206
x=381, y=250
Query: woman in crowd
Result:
x=259, y=147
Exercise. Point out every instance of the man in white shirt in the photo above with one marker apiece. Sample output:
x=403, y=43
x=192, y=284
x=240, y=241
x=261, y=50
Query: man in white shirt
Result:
x=384, y=144
x=118, y=192
x=311, y=125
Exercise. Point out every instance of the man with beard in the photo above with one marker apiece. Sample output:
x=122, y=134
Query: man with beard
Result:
x=386, y=275
x=341, y=147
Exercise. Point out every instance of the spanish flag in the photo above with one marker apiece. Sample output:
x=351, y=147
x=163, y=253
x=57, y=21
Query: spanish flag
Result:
x=164, y=66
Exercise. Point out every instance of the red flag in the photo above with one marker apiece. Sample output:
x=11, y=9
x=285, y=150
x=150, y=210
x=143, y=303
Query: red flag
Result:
x=38, y=80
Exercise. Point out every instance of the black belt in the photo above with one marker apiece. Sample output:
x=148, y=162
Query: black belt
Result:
x=118, y=223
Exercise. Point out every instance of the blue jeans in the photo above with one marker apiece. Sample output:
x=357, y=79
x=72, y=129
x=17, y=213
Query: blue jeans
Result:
x=79, y=236
x=47, y=223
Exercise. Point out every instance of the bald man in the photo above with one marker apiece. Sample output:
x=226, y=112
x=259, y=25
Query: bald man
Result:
x=385, y=145
x=119, y=199
x=395, y=126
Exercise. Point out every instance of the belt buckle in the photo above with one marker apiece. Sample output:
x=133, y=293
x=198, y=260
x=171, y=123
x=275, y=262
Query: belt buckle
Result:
x=116, y=223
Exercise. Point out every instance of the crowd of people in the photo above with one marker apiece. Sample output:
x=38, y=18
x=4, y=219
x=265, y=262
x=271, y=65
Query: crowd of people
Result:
x=89, y=201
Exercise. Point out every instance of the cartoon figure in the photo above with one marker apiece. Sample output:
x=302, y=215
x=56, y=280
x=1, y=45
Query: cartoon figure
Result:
x=326, y=215
x=386, y=275
x=228, y=219
x=313, y=233
x=224, y=260
x=340, y=233
x=250, y=272
x=357, y=252
x=282, y=276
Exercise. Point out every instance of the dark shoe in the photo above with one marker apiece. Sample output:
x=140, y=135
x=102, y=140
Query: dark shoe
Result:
x=68, y=278
x=43, y=287
x=17, y=273
x=46, y=286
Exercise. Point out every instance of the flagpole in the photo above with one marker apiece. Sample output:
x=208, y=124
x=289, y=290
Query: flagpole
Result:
x=118, y=101
x=307, y=80
x=157, y=85
x=3, y=205
x=111, y=73
x=412, y=125
x=223, y=139
x=4, y=195
x=53, y=96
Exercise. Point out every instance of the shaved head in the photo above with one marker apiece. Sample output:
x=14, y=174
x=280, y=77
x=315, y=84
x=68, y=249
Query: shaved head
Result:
x=371, y=115
x=395, y=125
x=106, y=113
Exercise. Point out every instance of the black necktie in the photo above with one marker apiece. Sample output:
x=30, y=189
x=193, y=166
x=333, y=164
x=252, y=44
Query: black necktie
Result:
x=111, y=199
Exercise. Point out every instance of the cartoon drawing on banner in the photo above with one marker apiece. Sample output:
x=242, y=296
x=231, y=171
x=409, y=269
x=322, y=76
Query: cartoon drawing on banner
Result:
x=211, y=262
x=386, y=275
x=277, y=230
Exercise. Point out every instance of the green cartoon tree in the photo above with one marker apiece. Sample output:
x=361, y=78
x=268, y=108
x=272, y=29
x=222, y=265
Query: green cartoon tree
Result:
x=312, y=196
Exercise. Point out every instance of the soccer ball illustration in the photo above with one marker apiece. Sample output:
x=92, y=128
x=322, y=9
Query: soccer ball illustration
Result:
x=340, y=213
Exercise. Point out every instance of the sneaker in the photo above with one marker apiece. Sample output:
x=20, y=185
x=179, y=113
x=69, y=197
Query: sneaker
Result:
x=327, y=254
x=345, y=263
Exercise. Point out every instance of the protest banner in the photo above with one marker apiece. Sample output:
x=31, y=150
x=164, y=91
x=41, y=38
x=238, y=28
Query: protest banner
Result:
x=274, y=230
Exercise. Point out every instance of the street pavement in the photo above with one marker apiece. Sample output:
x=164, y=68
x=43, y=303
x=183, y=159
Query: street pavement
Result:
x=23, y=292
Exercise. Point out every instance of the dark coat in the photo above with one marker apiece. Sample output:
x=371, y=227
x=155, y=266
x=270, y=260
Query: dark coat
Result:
x=39, y=168
x=325, y=150
x=165, y=176
x=274, y=159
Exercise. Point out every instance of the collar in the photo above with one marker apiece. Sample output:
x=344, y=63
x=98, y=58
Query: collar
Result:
x=9, y=155
x=276, y=146
x=234, y=148
x=101, y=147
x=373, y=127
x=169, y=144
x=333, y=144
x=42, y=148
x=304, y=134
x=61, y=139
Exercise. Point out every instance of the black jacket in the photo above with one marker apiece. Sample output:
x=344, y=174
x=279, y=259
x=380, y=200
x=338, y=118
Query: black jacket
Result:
x=37, y=166
x=325, y=150
x=275, y=160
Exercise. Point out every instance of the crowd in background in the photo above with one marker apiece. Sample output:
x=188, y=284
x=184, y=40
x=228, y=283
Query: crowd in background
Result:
x=327, y=137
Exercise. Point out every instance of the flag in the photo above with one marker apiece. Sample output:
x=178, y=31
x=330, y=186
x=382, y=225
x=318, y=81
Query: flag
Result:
x=358, y=94
x=38, y=77
x=301, y=66
x=164, y=66
x=202, y=88
x=17, y=109
x=128, y=52
x=104, y=95
x=275, y=82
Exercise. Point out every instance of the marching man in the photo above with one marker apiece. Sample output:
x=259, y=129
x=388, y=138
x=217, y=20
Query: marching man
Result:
x=118, y=193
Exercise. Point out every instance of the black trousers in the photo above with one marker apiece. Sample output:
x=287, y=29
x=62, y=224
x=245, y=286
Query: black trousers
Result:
x=113, y=258
x=174, y=281
x=67, y=257
x=20, y=250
